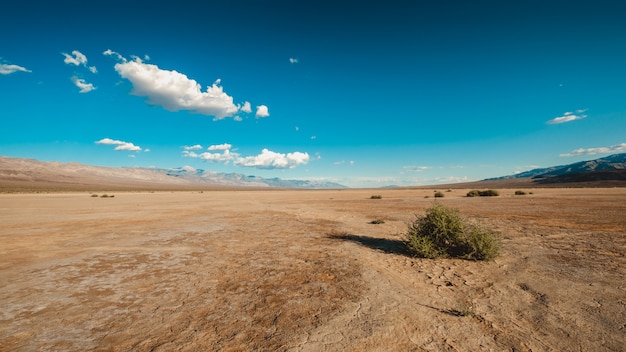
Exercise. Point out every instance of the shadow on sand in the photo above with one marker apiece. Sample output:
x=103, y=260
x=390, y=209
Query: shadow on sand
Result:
x=382, y=244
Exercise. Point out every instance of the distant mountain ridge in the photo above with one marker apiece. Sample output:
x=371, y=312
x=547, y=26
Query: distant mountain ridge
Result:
x=25, y=173
x=611, y=165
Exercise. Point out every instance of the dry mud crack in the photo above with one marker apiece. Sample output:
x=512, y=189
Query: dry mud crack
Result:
x=306, y=271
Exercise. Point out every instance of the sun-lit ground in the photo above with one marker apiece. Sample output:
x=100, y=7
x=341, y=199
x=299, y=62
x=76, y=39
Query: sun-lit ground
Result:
x=261, y=270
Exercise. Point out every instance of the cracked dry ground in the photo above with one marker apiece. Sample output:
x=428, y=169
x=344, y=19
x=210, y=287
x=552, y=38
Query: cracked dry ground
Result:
x=306, y=271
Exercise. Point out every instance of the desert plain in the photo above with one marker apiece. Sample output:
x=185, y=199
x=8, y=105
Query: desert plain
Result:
x=306, y=270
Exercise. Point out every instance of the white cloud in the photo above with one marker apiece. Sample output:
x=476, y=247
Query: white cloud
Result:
x=247, y=108
x=262, y=111
x=193, y=147
x=84, y=86
x=293, y=61
x=417, y=168
x=600, y=150
x=6, y=69
x=224, y=146
x=189, y=168
x=272, y=160
x=568, y=117
x=120, y=145
x=77, y=59
x=174, y=91
x=117, y=55
x=266, y=160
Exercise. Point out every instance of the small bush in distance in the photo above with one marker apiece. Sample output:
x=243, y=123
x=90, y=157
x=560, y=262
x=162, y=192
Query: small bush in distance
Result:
x=94, y=195
x=487, y=193
x=520, y=193
x=376, y=196
x=377, y=221
x=438, y=195
x=443, y=233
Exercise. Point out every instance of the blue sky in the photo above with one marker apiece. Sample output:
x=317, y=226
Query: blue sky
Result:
x=362, y=93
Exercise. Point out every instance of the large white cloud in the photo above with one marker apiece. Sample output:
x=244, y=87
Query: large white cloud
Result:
x=120, y=145
x=600, y=150
x=272, y=160
x=84, y=86
x=568, y=116
x=174, y=91
x=77, y=59
x=266, y=160
x=7, y=69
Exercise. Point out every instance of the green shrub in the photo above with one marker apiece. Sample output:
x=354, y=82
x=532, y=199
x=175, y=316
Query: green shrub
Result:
x=376, y=196
x=487, y=193
x=443, y=233
x=377, y=221
x=438, y=195
x=520, y=193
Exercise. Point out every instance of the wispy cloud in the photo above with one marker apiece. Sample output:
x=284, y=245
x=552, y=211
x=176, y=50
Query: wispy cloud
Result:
x=600, y=150
x=7, y=69
x=84, y=86
x=417, y=168
x=293, y=61
x=568, y=117
x=193, y=147
x=174, y=91
x=77, y=59
x=267, y=159
x=120, y=145
x=262, y=111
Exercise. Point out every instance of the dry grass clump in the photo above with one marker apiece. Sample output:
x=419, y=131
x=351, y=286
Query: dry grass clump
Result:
x=443, y=233
x=376, y=196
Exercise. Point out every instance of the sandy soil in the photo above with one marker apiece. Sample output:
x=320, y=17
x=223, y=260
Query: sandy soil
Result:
x=306, y=271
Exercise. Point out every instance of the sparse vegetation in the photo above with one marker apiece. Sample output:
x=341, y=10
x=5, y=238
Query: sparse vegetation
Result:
x=107, y=196
x=377, y=221
x=94, y=195
x=443, y=233
x=376, y=196
x=487, y=193
x=520, y=193
x=438, y=195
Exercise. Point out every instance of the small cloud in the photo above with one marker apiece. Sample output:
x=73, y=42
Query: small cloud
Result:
x=297, y=128
x=417, y=168
x=224, y=146
x=193, y=147
x=313, y=137
x=246, y=107
x=6, y=69
x=293, y=61
x=262, y=111
x=189, y=168
x=84, y=86
x=147, y=150
x=77, y=59
x=600, y=150
x=120, y=145
x=568, y=117
x=131, y=155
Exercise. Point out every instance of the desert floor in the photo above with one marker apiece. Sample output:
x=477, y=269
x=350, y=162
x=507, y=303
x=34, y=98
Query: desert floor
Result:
x=306, y=271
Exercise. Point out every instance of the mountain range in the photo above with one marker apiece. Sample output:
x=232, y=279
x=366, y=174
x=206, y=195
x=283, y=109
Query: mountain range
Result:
x=17, y=174
x=31, y=174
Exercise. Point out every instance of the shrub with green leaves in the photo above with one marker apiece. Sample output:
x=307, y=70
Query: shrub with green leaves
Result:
x=438, y=195
x=442, y=232
x=487, y=193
